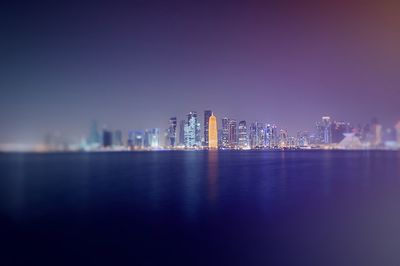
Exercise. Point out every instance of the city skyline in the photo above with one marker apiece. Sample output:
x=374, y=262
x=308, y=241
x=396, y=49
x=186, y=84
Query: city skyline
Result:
x=230, y=133
x=132, y=64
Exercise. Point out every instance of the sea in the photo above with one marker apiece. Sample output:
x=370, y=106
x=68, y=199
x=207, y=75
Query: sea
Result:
x=200, y=208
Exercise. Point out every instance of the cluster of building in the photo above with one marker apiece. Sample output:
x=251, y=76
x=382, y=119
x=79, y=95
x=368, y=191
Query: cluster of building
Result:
x=238, y=134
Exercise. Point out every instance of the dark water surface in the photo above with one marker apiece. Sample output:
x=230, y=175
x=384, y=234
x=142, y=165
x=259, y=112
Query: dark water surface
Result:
x=200, y=208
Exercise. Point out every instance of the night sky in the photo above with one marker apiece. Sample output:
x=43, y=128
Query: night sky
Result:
x=134, y=64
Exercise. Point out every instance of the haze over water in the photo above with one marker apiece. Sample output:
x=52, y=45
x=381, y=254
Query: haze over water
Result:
x=201, y=208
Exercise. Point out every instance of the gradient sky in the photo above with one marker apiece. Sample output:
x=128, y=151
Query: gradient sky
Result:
x=132, y=65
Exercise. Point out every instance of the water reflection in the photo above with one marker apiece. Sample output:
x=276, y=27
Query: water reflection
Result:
x=191, y=179
x=12, y=187
x=212, y=177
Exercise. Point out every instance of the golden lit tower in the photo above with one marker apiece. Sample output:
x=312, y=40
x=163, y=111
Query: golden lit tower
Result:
x=212, y=132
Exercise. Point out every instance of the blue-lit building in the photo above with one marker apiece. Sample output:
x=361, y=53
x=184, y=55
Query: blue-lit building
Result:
x=152, y=138
x=253, y=135
x=171, y=138
x=225, y=132
x=117, y=141
x=207, y=115
x=192, y=131
x=232, y=133
x=94, y=135
x=136, y=139
x=243, y=140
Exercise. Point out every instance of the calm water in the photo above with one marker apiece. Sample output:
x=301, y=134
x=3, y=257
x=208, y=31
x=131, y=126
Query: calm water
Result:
x=201, y=208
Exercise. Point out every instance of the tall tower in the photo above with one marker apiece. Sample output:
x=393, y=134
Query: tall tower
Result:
x=172, y=132
x=212, y=132
x=232, y=133
x=207, y=115
x=243, y=137
x=327, y=127
x=225, y=132
x=192, y=130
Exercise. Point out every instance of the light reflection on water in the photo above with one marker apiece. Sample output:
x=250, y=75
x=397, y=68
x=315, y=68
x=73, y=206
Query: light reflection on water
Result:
x=346, y=202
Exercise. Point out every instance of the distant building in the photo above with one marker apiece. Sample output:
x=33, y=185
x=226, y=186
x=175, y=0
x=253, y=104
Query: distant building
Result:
x=376, y=130
x=324, y=131
x=136, y=139
x=107, y=138
x=283, y=139
x=261, y=135
x=151, y=138
x=225, y=132
x=207, y=115
x=182, y=132
x=253, y=135
x=118, y=138
x=397, y=127
x=94, y=136
x=212, y=131
x=243, y=140
x=172, y=132
x=232, y=139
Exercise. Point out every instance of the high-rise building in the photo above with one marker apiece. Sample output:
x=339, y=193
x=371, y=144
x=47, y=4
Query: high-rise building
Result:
x=151, y=138
x=207, y=115
x=243, y=140
x=376, y=130
x=172, y=132
x=283, y=139
x=253, y=135
x=118, y=138
x=182, y=132
x=94, y=136
x=261, y=136
x=324, y=130
x=225, y=132
x=107, y=138
x=327, y=126
x=212, y=137
x=232, y=139
x=136, y=139
x=192, y=130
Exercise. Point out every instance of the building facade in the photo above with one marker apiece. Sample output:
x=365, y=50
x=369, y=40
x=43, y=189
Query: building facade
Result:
x=212, y=132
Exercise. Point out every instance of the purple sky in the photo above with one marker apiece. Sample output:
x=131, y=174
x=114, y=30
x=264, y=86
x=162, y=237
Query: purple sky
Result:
x=135, y=64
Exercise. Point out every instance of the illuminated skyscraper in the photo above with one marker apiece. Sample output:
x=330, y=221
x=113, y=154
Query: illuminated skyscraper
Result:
x=136, y=139
x=243, y=140
x=324, y=130
x=261, y=135
x=154, y=138
x=182, y=132
x=225, y=132
x=232, y=139
x=207, y=115
x=376, y=129
x=253, y=135
x=172, y=132
x=283, y=139
x=327, y=127
x=192, y=131
x=212, y=132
